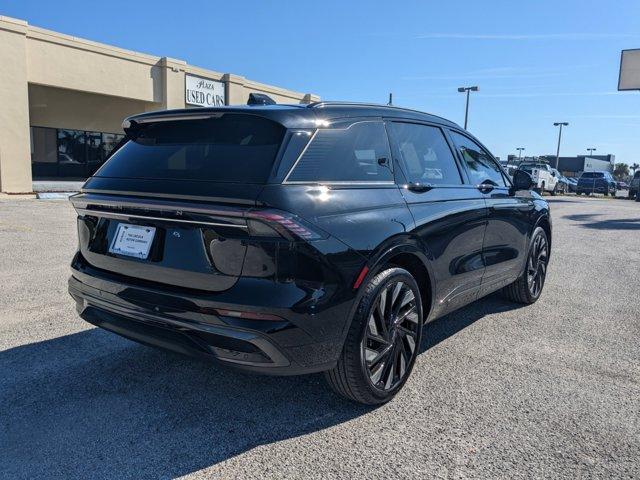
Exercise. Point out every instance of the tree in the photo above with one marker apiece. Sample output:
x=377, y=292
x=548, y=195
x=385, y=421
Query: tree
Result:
x=621, y=171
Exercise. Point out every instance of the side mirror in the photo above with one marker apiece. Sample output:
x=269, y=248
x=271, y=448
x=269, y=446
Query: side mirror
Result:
x=522, y=180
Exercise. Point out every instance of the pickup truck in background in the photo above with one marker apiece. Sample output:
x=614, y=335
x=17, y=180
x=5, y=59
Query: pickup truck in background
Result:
x=545, y=178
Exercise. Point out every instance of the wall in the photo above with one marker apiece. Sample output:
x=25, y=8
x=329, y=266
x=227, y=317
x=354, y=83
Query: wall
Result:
x=51, y=79
x=15, y=159
x=60, y=108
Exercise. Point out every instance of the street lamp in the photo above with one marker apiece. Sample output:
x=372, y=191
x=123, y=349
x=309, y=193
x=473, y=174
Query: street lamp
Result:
x=520, y=149
x=559, y=124
x=466, y=110
x=591, y=150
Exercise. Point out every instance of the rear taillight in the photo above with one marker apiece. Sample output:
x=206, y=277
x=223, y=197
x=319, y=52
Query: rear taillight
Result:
x=266, y=223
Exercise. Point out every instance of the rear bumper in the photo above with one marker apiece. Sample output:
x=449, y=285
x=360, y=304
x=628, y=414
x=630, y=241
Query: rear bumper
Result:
x=190, y=324
x=595, y=189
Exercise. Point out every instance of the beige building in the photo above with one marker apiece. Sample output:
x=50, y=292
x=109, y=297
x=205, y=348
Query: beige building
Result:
x=63, y=99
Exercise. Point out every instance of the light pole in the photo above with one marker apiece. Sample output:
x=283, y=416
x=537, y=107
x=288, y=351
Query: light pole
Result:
x=591, y=150
x=520, y=149
x=466, y=110
x=559, y=124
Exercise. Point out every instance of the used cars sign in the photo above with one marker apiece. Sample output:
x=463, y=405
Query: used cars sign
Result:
x=204, y=92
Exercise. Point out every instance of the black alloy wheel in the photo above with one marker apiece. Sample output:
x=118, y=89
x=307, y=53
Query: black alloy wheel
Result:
x=383, y=340
x=389, y=343
x=537, y=265
x=528, y=287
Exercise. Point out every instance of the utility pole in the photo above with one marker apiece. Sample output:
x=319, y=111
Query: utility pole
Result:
x=390, y=99
x=466, y=110
x=559, y=124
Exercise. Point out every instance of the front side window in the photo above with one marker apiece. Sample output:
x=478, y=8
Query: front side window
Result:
x=481, y=167
x=425, y=155
x=358, y=153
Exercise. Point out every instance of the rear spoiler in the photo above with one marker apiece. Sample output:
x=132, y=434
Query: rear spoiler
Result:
x=130, y=124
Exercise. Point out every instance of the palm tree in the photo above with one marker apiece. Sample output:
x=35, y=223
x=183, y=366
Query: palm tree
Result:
x=621, y=171
x=635, y=167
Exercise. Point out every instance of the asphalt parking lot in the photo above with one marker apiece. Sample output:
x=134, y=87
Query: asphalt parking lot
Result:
x=550, y=390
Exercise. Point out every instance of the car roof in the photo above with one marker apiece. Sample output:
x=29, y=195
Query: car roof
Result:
x=300, y=115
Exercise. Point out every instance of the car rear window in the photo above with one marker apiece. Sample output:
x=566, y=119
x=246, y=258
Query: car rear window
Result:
x=592, y=175
x=234, y=148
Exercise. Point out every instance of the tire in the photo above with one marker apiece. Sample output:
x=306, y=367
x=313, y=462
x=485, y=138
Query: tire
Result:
x=606, y=192
x=630, y=195
x=637, y=196
x=366, y=380
x=578, y=193
x=521, y=290
x=554, y=191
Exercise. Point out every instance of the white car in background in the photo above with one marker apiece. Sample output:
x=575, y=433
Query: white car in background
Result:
x=545, y=178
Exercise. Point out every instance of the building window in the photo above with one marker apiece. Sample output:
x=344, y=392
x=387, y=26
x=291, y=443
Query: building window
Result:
x=44, y=154
x=63, y=153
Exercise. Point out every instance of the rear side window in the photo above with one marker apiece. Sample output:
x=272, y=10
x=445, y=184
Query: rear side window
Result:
x=349, y=154
x=233, y=148
x=425, y=154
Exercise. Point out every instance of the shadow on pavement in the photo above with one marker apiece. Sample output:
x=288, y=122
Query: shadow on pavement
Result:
x=447, y=326
x=94, y=405
x=591, y=221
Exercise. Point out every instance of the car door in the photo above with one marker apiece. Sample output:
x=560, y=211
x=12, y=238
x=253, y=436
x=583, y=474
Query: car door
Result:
x=509, y=215
x=449, y=214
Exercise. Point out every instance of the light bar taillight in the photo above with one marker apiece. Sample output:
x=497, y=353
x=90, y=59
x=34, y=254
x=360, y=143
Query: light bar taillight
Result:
x=286, y=225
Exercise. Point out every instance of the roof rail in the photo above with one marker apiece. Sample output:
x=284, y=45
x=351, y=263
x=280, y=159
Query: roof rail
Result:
x=365, y=104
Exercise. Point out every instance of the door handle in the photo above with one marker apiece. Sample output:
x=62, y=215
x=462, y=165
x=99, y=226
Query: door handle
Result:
x=486, y=187
x=419, y=187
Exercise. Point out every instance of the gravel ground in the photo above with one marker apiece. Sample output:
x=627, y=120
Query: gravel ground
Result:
x=500, y=391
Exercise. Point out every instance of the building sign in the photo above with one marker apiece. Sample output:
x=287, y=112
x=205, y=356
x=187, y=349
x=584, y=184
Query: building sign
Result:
x=203, y=92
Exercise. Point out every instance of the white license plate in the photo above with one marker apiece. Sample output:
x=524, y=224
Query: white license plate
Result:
x=132, y=240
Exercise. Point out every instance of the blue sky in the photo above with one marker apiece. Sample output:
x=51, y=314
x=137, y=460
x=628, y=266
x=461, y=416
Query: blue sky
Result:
x=535, y=62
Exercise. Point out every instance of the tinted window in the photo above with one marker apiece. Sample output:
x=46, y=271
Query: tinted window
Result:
x=481, y=167
x=345, y=155
x=636, y=175
x=592, y=175
x=233, y=148
x=425, y=154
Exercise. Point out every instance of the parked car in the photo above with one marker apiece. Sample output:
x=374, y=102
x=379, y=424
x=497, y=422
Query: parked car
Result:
x=297, y=239
x=544, y=178
x=622, y=185
x=562, y=187
x=634, y=186
x=573, y=184
x=596, y=182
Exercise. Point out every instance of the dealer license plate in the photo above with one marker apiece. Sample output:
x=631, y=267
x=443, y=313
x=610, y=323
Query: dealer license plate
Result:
x=133, y=240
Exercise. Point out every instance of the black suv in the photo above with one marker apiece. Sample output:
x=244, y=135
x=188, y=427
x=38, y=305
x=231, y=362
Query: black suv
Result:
x=290, y=239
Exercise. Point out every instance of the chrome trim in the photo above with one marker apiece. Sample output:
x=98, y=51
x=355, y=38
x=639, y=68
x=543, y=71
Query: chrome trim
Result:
x=354, y=182
x=102, y=213
x=81, y=200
